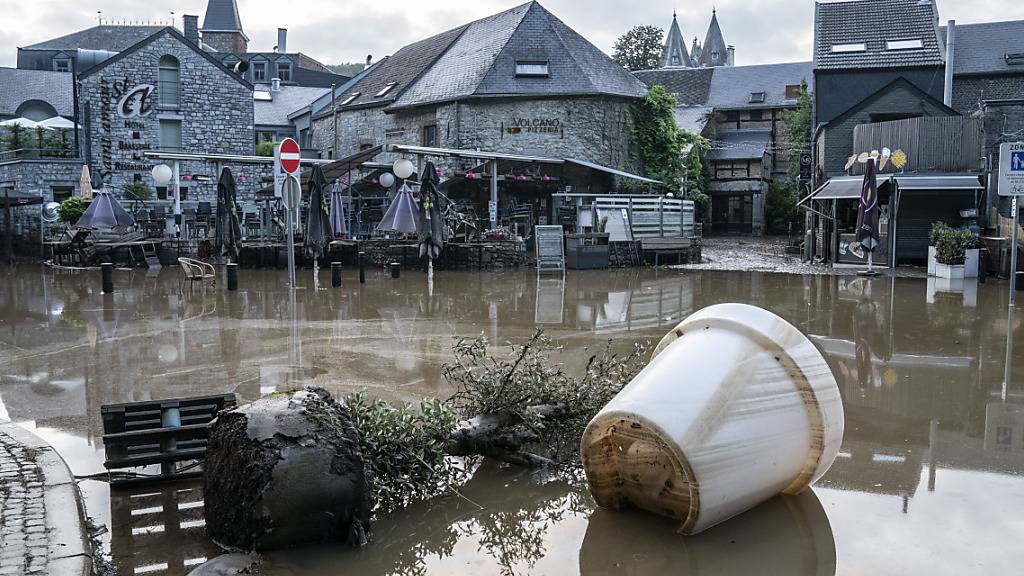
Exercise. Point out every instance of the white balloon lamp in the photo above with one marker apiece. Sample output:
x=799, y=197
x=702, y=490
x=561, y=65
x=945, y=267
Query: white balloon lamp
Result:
x=404, y=168
x=162, y=174
x=387, y=180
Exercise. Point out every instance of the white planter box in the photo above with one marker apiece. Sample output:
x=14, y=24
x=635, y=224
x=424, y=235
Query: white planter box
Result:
x=932, y=260
x=951, y=272
x=971, y=260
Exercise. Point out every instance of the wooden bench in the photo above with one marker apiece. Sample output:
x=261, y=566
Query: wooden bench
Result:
x=665, y=245
x=163, y=432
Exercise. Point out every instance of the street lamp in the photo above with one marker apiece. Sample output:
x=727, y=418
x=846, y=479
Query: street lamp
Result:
x=403, y=168
x=387, y=180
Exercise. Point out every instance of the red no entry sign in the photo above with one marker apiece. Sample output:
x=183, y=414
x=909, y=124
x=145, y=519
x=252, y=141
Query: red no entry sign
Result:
x=290, y=155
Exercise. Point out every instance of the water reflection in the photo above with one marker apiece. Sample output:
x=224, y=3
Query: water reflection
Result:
x=934, y=444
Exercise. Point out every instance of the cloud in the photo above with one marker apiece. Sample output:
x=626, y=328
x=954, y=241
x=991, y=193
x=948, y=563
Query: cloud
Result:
x=347, y=30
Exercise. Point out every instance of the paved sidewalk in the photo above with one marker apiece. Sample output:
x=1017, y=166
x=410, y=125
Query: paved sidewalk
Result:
x=41, y=520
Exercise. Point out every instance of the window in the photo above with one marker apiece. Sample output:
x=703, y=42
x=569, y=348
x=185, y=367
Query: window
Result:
x=1014, y=59
x=62, y=64
x=904, y=44
x=853, y=47
x=351, y=98
x=430, y=135
x=259, y=71
x=262, y=96
x=62, y=193
x=732, y=116
x=169, y=82
x=384, y=91
x=757, y=97
x=284, y=71
x=534, y=68
x=170, y=135
x=755, y=115
x=792, y=92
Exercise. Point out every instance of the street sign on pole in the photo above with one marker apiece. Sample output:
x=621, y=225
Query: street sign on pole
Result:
x=289, y=155
x=805, y=165
x=291, y=195
x=1011, y=169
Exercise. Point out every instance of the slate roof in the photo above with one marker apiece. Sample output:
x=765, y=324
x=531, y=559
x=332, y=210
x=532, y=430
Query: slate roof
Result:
x=690, y=85
x=479, y=60
x=715, y=52
x=105, y=37
x=873, y=22
x=982, y=48
x=675, y=54
x=20, y=86
x=740, y=145
x=222, y=15
x=289, y=99
x=693, y=118
x=731, y=86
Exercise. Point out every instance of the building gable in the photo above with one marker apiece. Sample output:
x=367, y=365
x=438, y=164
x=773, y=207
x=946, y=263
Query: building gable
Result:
x=859, y=34
x=899, y=97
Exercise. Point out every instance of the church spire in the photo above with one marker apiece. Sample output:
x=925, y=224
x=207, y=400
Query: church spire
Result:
x=674, y=54
x=695, y=52
x=715, y=51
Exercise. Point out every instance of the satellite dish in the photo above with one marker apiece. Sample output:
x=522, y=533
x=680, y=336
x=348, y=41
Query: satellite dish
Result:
x=50, y=214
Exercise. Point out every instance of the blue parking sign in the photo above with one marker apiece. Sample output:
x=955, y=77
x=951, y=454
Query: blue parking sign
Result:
x=1017, y=161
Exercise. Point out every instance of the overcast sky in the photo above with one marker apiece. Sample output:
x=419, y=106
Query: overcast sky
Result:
x=335, y=31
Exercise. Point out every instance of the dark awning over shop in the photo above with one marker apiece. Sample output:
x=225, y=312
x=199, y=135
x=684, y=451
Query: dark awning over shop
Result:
x=618, y=173
x=938, y=182
x=843, y=187
x=15, y=199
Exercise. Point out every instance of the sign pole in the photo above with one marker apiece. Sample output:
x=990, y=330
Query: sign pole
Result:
x=287, y=161
x=291, y=192
x=1013, y=253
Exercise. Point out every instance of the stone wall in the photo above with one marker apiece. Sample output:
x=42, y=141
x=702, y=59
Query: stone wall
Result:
x=35, y=178
x=215, y=111
x=970, y=92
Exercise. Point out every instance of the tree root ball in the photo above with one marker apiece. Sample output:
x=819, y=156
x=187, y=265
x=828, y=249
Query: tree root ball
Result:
x=286, y=470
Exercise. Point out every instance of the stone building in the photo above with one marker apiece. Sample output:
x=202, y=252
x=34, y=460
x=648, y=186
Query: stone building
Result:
x=518, y=82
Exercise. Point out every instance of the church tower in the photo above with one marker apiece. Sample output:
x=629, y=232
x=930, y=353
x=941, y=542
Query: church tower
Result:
x=695, y=52
x=715, y=51
x=674, y=54
x=222, y=27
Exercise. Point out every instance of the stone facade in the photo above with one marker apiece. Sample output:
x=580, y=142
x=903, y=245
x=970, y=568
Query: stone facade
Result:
x=228, y=42
x=970, y=92
x=215, y=112
x=43, y=178
x=587, y=128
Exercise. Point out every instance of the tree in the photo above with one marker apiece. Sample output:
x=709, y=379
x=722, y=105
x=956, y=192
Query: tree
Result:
x=640, y=48
x=347, y=68
x=266, y=147
x=798, y=132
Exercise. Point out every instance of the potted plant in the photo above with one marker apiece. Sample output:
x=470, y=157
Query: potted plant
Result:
x=71, y=210
x=957, y=252
x=933, y=236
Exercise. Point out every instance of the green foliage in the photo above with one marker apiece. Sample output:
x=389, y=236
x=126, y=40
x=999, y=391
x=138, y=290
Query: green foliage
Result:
x=349, y=69
x=951, y=244
x=16, y=137
x=528, y=377
x=780, y=207
x=138, y=191
x=405, y=447
x=266, y=148
x=695, y=146
x=71, y=210
x=938, y=229
x=640, y=48
x=798, y=131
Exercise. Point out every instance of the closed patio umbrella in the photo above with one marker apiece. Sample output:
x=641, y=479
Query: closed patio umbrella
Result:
x=229, y=229
x=402, y=215
x=431, y=223
x=867, y=214
x=104, y=211
x=85, y=183
x=338, y=224
x=318, y=220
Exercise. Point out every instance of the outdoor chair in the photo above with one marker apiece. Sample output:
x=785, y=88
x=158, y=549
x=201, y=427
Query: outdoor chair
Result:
x=197, y=271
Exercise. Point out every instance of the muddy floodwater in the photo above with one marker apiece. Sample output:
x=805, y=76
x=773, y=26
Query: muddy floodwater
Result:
x=928, y=481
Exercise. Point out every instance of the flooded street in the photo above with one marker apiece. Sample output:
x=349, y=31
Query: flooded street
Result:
x=933, y=454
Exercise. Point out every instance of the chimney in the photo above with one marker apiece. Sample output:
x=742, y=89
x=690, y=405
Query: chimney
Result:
x=191, y=27
x=730, y=60
x=282, y=40
x=275, y=84
x=947, y=94
x=369, y=60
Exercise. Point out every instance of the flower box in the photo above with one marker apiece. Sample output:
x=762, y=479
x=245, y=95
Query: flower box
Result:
x=955, y=272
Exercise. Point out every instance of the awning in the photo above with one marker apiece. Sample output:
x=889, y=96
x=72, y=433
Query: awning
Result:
x=938, y=182
x=842, y=187
x=337, y=168
x=15, y=199
x=619, y=173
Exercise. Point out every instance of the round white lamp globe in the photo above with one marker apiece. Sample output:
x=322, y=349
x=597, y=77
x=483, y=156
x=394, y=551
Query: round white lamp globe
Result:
x=162, y=174
x=387, y=180
x=404, y=168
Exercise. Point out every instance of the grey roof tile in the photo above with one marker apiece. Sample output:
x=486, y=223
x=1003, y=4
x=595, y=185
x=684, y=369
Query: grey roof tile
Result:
x=222, y=15
x=874, y=22
x=105, y=37
x=275, y=112
x=982, y=48
x=693, y=118
x=731, y=87
x=740, y=145
x=690, y=85
x=20, y=86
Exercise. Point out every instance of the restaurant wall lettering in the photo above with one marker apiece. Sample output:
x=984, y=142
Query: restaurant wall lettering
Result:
x=534, y=126
x=106, y=131
x=133, y=101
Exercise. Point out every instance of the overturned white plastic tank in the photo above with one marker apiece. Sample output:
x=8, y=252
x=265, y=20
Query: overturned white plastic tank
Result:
x=735, y=407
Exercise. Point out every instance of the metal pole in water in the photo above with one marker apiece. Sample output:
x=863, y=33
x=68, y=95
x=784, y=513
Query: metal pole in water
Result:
x=396, y=270
x=292, y=196
x=1013, y=253
x=232, y=276
x=108, y=278
x=336, y=274
x=362, y=268
x=169, y=418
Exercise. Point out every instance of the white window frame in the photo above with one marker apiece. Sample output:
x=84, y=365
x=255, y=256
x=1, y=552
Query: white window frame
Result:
x=351, y=98
x=62, y=60
x=284, y=64
x=533, y=69
x=849, y=47
x=904, y=44
x=256, y=63
x=384, y=91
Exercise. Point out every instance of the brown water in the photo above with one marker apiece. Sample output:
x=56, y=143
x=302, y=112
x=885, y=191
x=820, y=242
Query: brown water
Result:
x=928, y=480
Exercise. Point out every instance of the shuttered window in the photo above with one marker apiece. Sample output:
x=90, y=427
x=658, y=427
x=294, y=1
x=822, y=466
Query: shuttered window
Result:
x=170, y=83
x=170, y=135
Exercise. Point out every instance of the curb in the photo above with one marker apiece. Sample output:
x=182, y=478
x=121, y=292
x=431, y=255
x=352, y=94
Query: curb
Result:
x=69, y=549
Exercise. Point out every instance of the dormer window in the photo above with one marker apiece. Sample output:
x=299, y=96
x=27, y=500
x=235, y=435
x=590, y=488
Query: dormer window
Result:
x=62, y=64
x=259, y=71
x=351, y=98
x=284, y=71
x=532, y=68
x=262, y=96
x=792, y=91
x=909, y=44
x=757, y=97
x=1015, y=59
x=384, y=91
x=852, y=47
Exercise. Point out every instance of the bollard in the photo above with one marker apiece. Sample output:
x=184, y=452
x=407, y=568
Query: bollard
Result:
x=108, y=278
x=735, y=407
x=1019, y=284
x=362, y=269
x=336, y=274
x=232, y=277
x=396, y=270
